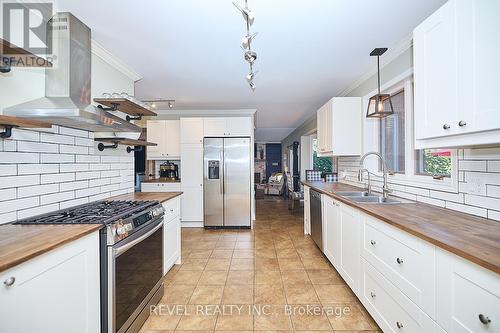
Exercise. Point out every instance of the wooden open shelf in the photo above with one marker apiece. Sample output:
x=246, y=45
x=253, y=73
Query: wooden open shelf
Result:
x=23, y=57
x=126, y=106
x=126, y=141
x=9, y=122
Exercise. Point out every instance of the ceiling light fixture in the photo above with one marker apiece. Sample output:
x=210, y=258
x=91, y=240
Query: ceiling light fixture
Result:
x=380, y=104
x=246, y=42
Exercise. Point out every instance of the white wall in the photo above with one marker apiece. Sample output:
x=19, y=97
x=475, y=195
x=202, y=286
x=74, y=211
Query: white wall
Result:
x=51, y=169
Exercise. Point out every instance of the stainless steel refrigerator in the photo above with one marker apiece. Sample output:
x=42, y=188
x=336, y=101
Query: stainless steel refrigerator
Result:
x=227, y=182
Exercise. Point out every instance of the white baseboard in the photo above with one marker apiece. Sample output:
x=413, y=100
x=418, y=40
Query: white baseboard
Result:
x=192, y=224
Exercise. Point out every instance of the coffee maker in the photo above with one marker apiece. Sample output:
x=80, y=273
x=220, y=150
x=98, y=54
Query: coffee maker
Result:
x=169, y=171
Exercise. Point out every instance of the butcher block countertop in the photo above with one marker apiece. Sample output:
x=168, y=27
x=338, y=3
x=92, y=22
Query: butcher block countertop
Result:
x=19, y=243
x=473, y=238
x=143, y=196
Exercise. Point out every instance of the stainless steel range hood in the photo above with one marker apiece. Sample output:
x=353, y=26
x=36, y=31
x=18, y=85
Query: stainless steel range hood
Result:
x=67, y=84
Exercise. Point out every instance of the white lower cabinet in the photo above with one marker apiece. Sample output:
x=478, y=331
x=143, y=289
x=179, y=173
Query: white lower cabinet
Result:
x=468, y=296
x=56, y=292
x=349, y=230
x=406, y=261
x=330, y=233
x=161, y=187
x=390, y=308
x=171, y=234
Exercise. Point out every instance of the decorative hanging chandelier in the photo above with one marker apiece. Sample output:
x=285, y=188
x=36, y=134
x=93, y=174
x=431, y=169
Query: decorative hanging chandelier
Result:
x=379, y=105
x=246, y=42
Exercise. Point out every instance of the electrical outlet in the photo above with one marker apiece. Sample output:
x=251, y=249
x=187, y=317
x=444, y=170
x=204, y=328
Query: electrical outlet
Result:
x=475, y=184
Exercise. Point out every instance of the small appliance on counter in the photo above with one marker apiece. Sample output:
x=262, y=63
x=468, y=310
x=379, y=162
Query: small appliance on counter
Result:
x=169, y=171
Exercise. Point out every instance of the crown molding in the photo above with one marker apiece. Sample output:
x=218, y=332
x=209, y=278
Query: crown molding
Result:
x=391, y=54
x=194, y=113
x=114, y=61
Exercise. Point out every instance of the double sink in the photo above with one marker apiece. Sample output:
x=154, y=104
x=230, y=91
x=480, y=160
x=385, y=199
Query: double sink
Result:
x=365, y=197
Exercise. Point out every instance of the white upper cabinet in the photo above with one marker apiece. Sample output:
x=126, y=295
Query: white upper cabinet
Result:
x=339, y=127
x=230, y=126
x=191, y=130
x=456, y=67
x=166, y=134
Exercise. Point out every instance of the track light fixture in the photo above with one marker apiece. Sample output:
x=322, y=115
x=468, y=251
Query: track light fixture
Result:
x=157, y=103
x=246, y=42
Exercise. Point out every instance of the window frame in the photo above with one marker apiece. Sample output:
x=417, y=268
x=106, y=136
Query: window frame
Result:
x=371, y=142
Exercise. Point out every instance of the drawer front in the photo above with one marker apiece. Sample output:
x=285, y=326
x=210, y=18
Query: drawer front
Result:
x=172, y=209
x=390, y=308
x=407, y=262
x=468, y=298
x=160, y=187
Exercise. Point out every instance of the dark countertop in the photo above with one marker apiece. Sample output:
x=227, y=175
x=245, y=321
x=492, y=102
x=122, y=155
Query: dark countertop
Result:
x=160, y=180
x=473, y=238
x=19, y=243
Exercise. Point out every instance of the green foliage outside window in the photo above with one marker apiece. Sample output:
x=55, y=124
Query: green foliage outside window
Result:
x=433, y=164
x=323, y=164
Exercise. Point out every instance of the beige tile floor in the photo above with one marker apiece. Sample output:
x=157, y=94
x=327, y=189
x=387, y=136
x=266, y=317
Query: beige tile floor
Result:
x=257, y=280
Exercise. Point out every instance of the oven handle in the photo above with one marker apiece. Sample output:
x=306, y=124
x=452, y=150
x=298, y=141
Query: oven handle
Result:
x=125, y=247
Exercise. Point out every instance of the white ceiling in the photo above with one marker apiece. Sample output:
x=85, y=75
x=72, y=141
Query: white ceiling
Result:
x=308, y=50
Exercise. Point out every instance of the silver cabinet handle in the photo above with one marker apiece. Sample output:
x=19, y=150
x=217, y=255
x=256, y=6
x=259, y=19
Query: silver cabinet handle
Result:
x=372, y=242
x=484, y=319
x=446, y=126
x=10, y=281
x=399, y=325
x=399, y=261
x=462, y=123
x=372, y=294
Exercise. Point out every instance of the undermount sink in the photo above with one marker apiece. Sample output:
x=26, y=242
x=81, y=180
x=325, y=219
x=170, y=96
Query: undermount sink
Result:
x=355, y=194
x=374, y=199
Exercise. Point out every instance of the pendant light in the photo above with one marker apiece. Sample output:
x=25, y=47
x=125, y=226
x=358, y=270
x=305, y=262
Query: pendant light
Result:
x=379, y=105
x=246, y=42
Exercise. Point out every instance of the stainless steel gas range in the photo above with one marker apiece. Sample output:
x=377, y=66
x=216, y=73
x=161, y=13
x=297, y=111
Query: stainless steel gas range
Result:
x=131, y=257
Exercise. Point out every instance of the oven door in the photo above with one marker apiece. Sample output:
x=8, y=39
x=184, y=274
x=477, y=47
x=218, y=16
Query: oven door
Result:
x=135, y=272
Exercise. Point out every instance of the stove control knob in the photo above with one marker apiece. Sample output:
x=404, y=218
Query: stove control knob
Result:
x=120, y=231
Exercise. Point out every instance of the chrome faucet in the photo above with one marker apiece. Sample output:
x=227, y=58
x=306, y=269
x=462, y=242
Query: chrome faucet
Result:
x=385, y=189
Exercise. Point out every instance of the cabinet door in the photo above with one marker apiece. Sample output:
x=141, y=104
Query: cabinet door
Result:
x=172, y=141
x=435, y=68
x=214, y=127
x=321, y=126
x=171, y=242
x=191, y=130
x=192, y=164
x=239, y=126
x=348, y=262
x=307, y=211
x=192, y=204
x=468, y=296
x=328, y=120
x=478, y=25
x=331, y=231
x=55, y=292
x=156, y=133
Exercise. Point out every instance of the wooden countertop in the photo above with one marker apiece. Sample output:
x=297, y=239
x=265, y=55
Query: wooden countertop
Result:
x=142, y=196
x=19, y=243
x=473, y=238
x=160, y=180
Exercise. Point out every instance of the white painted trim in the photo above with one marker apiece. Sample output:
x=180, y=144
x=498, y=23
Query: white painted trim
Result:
x=409, y=178
x=110, y=58
x=391, y=54
x=206, y=112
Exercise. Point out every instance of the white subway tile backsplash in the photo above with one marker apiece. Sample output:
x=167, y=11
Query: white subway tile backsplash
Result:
x=57, y=138
x=25, y=213
x=110, y=159
x=73, y=132
x=18, y=181
x=101, y=196
x=57, y=197
x=72, y=203
x=494, y=215
x=480, y=201
x=88, y=159
x=57, y=158
x=74, y=167
x=84, y=142
x=8, y=217
x=448, y=196
x=99, y=182
x=67, y=149
x=466, y=165
x=482, y=153
x=39, y=147
x=24, y=135
x=87, y=192
x=10, y=145
x=16, y=158
x=111, y=173
x=57, y=178
x=18, y=204
x=30, y=191
x=467, y=209
x=8, y=169
x=75, y=185
x=493, y=166
x=431, y=201
x=109, y=188
x=99, y=167
x=493, y=191
x=31, y=169
x=87, y=175
x=8, y=194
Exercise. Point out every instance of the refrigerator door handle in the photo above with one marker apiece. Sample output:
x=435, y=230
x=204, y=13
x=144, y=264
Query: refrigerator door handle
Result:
x=221, y=180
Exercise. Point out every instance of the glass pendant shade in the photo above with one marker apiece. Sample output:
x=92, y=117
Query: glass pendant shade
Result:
x=379, y=106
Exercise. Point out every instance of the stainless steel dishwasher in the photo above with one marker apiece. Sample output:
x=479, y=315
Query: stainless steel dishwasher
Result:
x=316, y=219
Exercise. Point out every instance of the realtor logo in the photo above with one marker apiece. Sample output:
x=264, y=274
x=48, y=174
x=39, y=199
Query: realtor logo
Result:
x=25, y=25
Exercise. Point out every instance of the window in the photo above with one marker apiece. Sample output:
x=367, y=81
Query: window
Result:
x=435, y=162
x=320, y=163
x=392, y=135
